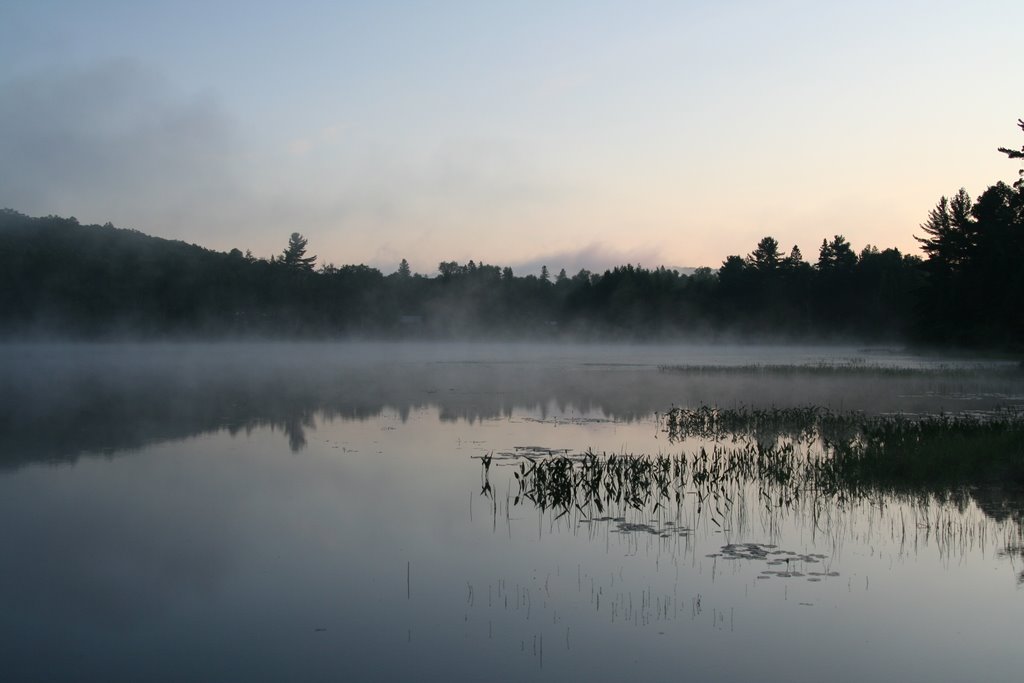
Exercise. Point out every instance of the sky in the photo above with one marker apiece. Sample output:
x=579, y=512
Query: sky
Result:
x=570, y=134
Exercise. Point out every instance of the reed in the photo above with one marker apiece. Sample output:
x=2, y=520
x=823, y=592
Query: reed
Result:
x=790, y=454
x=852, y=367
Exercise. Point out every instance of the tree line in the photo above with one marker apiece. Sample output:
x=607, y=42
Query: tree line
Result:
x=60, y=277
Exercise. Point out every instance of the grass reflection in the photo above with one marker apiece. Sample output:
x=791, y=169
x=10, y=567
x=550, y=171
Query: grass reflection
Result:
x=775, y=462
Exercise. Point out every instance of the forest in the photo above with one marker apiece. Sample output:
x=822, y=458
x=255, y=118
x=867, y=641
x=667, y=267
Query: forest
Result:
x=65, y=279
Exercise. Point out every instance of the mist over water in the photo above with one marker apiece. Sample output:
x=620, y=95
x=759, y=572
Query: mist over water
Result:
x=262, y=511
x=65, y=399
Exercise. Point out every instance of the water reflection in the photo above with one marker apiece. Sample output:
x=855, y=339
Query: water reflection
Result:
x=372, y=556
x=61, y=401
x=743, y=472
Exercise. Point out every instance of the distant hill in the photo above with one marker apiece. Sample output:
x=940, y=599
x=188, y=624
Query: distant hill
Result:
x=60, y=277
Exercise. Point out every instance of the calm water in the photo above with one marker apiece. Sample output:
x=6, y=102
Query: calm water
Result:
x=314, y=512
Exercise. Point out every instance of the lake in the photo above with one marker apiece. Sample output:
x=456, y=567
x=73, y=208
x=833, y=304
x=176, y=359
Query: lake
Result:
x=400, y=511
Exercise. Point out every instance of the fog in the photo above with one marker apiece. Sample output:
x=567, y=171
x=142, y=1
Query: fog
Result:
x=64, y=400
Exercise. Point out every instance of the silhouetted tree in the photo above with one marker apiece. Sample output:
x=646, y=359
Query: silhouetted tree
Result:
x=949, y=232
x=403, y=269
x=836, y=255
x=794, y=260
x=448, y=269
x=294, y=255
x=1014, y=154
x=767, y=257
x=974, y=276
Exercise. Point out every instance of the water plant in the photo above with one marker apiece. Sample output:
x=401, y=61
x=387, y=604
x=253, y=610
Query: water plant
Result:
x=850, y=367
x=789, y=455
x=855, y=450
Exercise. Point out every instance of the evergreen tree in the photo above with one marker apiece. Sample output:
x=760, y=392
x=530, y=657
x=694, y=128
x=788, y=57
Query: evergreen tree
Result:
x=836, y=255
x=1014, y=154
x=294, y=255
x=767, y=257
x=949, y=232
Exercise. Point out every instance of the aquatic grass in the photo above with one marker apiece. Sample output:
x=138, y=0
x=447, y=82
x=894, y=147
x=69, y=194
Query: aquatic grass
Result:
x=565, y=482
x=940, y=452
x=852, y=367
x=966, y=448
x=800, y=423
x=791, y=454
x=712, y=478
x=856, y=450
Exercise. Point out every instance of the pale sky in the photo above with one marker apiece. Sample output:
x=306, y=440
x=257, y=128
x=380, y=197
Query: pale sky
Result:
x=575, y=134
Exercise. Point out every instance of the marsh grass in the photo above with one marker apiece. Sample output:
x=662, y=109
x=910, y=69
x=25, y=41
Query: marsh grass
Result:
x=850, y=367
x=853, y=450
x=937, y=452
x=801, y=424
x=792, y=456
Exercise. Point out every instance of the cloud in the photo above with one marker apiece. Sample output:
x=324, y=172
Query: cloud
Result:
x=326, y=137
x=114, y=142
x=595, y=257
x=117, y=141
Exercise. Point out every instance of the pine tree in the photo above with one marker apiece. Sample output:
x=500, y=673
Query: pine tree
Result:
x=294, y=255
x=795, y=258
x=1014, y=154
x=767, y=256
x=949, y=232
x=836, y=255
